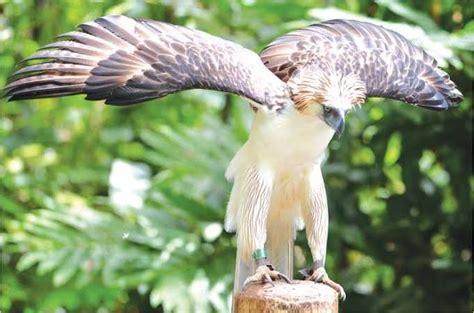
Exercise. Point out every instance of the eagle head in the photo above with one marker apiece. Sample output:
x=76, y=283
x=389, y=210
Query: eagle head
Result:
x=328, y=95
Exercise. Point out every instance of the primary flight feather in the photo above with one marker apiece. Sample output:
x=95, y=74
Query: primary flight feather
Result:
x=300, y=87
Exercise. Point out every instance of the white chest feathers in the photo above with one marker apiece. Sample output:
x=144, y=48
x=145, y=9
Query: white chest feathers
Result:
x=282, y=143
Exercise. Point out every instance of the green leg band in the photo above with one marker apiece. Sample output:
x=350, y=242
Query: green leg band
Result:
x=259, y=254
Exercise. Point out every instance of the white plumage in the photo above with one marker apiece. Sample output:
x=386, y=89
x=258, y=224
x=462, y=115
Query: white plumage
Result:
x=275, y=186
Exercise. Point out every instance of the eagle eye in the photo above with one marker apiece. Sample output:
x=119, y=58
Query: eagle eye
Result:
x=327, y=109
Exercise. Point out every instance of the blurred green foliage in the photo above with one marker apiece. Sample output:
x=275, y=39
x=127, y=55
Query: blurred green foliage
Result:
x=109, y=209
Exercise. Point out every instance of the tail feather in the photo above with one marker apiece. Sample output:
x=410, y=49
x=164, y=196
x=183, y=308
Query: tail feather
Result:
x=242, y=271
x=280, y=241
x=281, y=256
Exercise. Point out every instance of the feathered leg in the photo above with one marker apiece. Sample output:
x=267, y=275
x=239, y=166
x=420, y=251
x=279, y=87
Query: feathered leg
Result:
x=315, y=215
x=250, y=203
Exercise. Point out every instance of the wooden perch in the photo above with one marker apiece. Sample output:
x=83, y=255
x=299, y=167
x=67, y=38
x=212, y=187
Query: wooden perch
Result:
x=300, y=296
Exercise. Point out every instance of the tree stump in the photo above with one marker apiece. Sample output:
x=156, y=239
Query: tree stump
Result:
x=300, y=296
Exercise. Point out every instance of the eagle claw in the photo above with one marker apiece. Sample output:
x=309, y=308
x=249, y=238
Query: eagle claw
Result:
x=265, y=274
x=319, y=275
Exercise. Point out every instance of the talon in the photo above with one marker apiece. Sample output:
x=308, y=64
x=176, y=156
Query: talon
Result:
x=265, y=274
x=319, y=275
x=335, y=286
x=284, y=277
x=268, y=279
x=306, y=272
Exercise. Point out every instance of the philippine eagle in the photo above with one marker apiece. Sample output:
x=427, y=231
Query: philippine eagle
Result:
x=300, y=86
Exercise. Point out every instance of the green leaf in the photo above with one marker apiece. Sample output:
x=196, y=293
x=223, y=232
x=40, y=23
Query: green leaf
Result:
x=29, y=259
x=410, y=14
x=70, y=265
x=394, y=149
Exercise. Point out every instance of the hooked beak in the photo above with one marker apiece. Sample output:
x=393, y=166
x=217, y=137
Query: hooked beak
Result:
x=336, y=120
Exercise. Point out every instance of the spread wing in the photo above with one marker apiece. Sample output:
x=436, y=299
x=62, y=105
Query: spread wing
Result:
x=125, y=61
x=388, y=64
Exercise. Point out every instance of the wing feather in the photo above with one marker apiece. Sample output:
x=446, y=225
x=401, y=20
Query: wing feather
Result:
x=75, y=47
x=61, y=56
x=125, y=61
x=388, y=64
x=54, y=67
x=86, y=39
x=46, y=91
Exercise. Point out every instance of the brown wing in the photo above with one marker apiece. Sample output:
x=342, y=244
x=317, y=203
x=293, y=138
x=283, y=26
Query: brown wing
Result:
x=125, y=61
x=386, y=62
